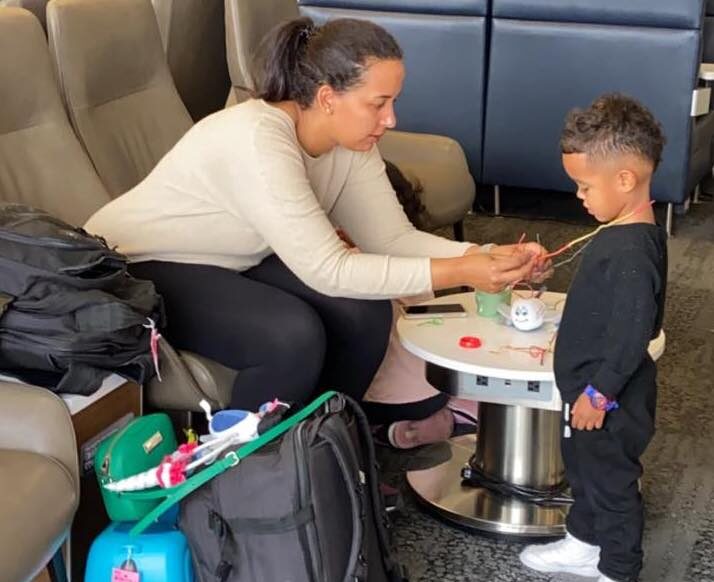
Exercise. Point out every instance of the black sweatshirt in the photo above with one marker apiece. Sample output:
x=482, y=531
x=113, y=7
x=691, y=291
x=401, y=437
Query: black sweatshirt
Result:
x=614, y=308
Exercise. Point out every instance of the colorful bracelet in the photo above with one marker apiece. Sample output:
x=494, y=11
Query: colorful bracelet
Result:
x=599, y=400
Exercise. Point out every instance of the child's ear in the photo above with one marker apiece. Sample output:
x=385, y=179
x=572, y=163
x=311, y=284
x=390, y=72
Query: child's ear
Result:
x=626, y=181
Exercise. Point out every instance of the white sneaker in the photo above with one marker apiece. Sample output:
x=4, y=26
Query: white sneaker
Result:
x=604, y=578
x=567, y=555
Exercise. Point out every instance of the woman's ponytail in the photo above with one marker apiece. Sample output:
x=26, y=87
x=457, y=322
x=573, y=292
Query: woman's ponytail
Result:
x=298, y=56
x=279, y=71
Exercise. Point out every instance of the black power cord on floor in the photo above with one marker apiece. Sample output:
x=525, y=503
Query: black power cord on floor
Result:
x=476, y=477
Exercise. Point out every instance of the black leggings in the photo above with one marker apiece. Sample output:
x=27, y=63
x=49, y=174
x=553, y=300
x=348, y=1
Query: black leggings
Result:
x=286, y=339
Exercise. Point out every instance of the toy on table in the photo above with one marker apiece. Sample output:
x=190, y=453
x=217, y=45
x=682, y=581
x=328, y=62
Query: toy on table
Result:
x=528, y=314
x=227, y=428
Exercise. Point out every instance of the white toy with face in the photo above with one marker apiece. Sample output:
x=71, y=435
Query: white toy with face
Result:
x=526, y=314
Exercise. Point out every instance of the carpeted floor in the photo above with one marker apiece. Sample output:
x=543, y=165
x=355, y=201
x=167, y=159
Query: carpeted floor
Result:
x=679, y=464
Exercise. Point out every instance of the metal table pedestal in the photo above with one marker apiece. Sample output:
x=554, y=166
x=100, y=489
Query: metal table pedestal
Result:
x=515, y=444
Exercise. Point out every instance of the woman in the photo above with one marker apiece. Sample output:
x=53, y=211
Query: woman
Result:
x=236, y=224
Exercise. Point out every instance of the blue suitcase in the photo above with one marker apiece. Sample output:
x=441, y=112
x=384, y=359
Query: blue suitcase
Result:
x=160, y=554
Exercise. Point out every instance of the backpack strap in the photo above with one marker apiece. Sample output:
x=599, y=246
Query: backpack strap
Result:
x=348, y=463
x=395, y=571
x=176, y=494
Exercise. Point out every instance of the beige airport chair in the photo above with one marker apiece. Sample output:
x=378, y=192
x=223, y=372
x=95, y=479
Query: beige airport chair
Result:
x=43, y=165
x=37, y=7
x=116, y=85
x=194, y=40
x=39, y=474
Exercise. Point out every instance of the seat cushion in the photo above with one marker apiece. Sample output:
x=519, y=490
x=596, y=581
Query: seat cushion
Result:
x=38, y=504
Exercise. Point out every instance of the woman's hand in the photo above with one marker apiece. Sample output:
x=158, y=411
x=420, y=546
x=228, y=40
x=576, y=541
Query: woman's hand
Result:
x=493, y=272
x=543, y=269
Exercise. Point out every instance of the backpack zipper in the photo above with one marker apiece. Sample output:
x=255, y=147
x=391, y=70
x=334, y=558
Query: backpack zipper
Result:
x=48, y=242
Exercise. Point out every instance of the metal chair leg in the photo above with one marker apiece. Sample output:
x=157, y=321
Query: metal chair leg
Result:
x=56, y=567
x=497, y=200
x=670, y=219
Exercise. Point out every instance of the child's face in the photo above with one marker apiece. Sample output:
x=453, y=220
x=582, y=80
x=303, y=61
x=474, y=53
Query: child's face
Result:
x=601, y=186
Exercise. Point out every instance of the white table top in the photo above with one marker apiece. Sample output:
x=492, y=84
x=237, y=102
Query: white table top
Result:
x=439, y=344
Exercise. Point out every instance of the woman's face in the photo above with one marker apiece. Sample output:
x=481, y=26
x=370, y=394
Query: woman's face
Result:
x=362, y=114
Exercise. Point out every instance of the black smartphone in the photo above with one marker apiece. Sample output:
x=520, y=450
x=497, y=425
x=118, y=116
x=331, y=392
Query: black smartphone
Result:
x=427, y=311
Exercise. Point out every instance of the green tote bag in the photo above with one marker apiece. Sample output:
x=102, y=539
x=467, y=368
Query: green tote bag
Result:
x=139, y=446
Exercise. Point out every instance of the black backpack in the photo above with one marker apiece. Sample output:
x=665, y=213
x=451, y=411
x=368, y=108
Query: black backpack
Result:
x=304, y=508
x=70, y=314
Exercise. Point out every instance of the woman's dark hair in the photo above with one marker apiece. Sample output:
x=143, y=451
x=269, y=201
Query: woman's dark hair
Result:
x=409, y=196
x=613, y=124
x=298, y=56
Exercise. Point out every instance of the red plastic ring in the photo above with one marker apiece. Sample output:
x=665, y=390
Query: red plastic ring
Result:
x=470, y=342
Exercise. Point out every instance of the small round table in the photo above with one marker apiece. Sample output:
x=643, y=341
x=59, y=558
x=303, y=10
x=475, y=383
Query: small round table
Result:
x=518, y=441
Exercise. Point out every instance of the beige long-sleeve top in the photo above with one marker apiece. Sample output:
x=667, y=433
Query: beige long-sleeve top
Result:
x=239, y=187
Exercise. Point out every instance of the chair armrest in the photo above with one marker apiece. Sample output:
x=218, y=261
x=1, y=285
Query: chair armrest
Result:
x=36, y=420
x=706, y=71
x=701, y=101
x=177, y=389
x=403, y=146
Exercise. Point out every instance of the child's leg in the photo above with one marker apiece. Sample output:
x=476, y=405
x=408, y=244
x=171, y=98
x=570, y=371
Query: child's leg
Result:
x=578, y=553
x=580, y=522
x=610, y=468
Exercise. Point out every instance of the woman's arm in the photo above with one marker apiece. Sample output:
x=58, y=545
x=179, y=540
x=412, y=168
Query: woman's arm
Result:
x=269, y=189
x=277, y=200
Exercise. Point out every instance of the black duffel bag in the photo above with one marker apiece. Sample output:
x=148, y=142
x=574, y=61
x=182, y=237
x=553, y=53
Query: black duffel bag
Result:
x=304, y=508
x=70, y=314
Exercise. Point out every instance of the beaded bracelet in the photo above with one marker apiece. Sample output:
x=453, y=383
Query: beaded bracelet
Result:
x=599, y=400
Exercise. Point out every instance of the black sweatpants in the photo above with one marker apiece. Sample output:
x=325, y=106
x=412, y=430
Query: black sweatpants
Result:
x=603, y=467
x=287, y=340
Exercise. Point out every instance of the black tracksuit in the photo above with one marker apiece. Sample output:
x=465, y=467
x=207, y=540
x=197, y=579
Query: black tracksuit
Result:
x=614, y=308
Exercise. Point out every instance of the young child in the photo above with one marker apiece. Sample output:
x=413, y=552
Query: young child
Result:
x=614, y=308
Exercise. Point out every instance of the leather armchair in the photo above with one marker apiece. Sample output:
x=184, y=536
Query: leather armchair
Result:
x=39, y=474
x=547, y=57
x=43, y=164
x=444, y=47
x=437, y=163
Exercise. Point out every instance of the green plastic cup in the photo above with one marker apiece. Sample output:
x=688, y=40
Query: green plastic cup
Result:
x=487, y=304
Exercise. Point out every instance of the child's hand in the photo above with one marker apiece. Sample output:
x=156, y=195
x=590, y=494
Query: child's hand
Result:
x=584, y=416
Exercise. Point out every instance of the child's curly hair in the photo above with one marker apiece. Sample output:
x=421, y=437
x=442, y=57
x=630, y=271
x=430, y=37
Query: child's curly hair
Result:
x=613, y=124
x=408, y=196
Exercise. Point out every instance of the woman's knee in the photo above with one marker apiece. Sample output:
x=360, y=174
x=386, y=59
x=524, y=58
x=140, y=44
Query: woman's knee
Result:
x=368, y=320
x=298, y=342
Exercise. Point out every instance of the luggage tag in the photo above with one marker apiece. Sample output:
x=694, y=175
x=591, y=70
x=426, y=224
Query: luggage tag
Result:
x=127, y=572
